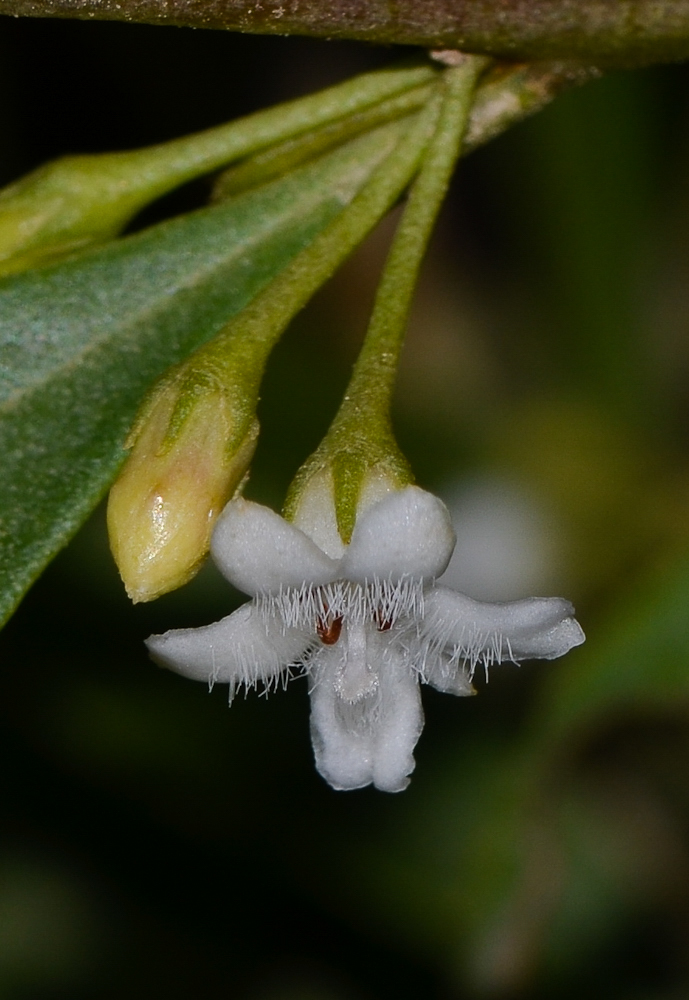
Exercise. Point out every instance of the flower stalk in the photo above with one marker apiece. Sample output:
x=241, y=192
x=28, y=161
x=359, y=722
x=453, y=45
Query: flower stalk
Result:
x=360, y=446
x=267, y=315
x=281, y=158
x=78, y=201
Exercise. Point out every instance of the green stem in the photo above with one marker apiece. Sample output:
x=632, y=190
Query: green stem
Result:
x=360, y=441
x=368, y=395
x=80, y=200
x=283, y=157
x=505, y=95
x=182, y=159
x=257, y=328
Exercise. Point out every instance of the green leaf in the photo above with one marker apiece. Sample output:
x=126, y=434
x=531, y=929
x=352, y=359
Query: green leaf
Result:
x=81, y=342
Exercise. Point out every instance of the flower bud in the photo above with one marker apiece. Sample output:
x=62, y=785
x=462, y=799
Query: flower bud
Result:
x=68, y=204
x=191, y=448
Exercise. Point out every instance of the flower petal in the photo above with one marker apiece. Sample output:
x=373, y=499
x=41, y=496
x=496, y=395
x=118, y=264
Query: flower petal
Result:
x=341, y=731
x=446, y=675
x=242, y=649
x=369, y=736
x=399, y=726
x=259, y=552
x=407, y=533
x=478, y=633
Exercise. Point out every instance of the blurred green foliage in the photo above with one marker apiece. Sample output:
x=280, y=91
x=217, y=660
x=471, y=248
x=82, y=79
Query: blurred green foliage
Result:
x=154, y=842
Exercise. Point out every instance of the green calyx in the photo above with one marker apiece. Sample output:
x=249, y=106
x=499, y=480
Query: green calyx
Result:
x=356, y=452
x=194, y=382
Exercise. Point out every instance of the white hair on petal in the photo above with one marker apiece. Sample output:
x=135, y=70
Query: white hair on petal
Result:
x=258, y=670
x=385, y=600
x=474, y=648
x=403, y=599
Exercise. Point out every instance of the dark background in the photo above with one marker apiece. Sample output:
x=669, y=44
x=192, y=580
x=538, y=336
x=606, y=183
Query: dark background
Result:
x=155, y=843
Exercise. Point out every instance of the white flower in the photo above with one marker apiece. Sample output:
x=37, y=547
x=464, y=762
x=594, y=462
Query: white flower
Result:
x=365, y=628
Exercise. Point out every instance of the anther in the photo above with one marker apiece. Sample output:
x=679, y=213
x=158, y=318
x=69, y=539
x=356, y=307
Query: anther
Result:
x=383, y=624
x=329, y=632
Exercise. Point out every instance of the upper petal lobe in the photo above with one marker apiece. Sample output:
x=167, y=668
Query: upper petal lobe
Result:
x=258, y=551
x=409, y=533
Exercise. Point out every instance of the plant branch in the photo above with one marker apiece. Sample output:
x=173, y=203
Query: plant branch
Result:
x=605, y=32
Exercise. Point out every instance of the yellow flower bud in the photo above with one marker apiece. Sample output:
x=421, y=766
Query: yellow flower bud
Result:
x=190, y=453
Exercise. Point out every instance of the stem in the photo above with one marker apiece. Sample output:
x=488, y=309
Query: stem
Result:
x=80, y=200
x=368, y=396
x=285, y=156
x=258, y=327
x=506, y=95
x=185, y=158
x=360, y=441
x=605, y=32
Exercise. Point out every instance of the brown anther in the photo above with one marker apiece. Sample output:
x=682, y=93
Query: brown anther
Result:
x=382, y=624
x=329, y=632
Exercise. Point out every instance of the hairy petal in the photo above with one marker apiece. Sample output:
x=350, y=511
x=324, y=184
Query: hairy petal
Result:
x=259, y=552
x=447, y=675
x=242, y=649
x=474, y=632
x=408, y=533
